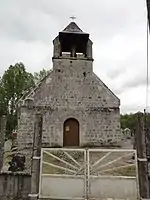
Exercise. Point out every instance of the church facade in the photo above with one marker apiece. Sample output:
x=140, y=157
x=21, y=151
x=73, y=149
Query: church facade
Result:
x=78, y=109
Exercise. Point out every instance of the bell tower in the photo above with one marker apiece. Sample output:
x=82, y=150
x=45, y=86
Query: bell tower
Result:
x=73, y=45
x=72, y=42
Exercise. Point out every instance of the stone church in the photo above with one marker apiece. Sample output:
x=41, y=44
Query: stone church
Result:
x=78, y=109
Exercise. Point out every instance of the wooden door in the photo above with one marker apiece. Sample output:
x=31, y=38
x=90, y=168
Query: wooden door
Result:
x=71, y=132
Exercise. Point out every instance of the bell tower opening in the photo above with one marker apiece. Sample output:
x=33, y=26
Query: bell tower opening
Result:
x=73, y=42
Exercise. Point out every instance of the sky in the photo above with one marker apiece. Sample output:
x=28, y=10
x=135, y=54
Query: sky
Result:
x=116, y=27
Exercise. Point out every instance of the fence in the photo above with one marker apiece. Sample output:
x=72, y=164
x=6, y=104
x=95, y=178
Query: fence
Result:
x=88, y=174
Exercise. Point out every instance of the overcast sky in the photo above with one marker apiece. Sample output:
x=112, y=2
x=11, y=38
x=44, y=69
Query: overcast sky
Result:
x=117, y=29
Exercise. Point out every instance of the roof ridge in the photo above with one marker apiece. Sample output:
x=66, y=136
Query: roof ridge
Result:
x=72, y=27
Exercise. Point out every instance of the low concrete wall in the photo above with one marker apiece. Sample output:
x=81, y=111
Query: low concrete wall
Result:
x=62, y=187
x=115, y=188
x=99, y=187
x=14, y=186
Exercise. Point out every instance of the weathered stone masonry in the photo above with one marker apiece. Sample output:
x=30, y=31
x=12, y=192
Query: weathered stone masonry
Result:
x=71, y=90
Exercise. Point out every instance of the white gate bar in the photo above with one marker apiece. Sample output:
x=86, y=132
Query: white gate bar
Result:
x=59, y=167
x=72, y=159
x=113, y=161
x=120, y=167
x=63, y=161
x=142, y=159
x=97, y=162
x=111, y=177
x=64, y=198
x=84, y=166
x=63, y=149
x=33, y=195
x=112, y=150
x=80, y=170
x=88, y=175
x=62, y=175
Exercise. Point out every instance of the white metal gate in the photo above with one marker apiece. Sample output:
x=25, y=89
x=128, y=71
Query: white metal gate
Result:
x=63, y=174
x=88, y=174
x=112, y=173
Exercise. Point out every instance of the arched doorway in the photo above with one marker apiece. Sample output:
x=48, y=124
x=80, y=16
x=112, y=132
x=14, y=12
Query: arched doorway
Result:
x=71, y=132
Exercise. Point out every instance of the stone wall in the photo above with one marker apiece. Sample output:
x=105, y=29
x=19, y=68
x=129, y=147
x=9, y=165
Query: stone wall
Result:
x=72, y=90
x=14, y=186
x=25, y=127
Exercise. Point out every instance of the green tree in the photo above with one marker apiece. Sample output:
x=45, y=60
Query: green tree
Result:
x=38, y=76
x=14, y=81
x=128, y=121
x=3, y=105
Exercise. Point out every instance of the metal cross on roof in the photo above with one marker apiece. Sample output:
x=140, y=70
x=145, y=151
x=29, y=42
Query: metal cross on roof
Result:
x=73, y=18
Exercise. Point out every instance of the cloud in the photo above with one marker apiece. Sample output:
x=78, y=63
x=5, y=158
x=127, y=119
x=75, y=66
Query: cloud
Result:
x=117, y=29
x=133, y=100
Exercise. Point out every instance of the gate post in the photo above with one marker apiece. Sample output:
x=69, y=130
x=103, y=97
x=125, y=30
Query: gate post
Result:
x=2, y=139
x=141, y=156
x=87, y=175
x=35, y=169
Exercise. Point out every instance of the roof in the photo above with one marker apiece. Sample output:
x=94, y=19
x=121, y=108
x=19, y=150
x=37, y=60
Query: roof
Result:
x=73, y=28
